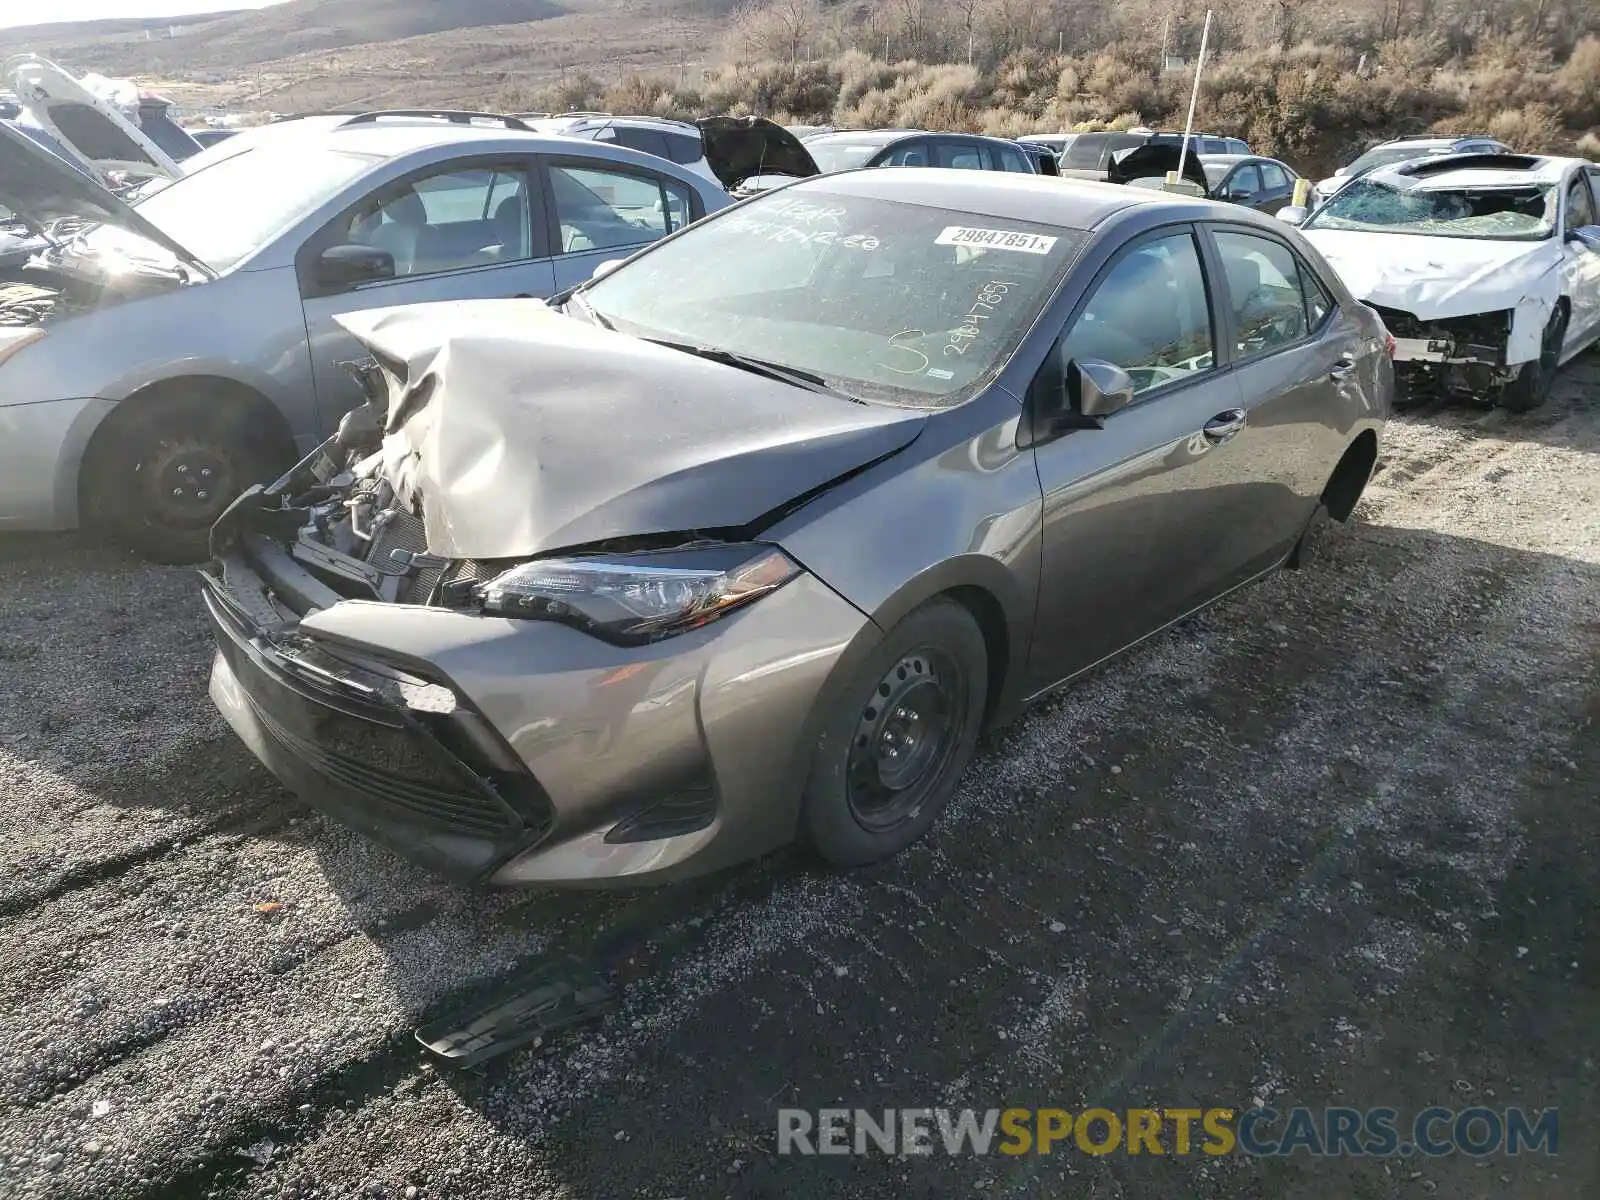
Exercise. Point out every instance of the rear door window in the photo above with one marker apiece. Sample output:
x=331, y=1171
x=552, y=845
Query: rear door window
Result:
x=960, y=156
x=647, y=141
x=1012, y=160
x=909, y=154
x=1268, y=293
x=600, y=207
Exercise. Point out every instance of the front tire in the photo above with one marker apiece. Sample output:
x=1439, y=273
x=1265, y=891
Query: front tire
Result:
x=1534, y=382
x=899, y=739
x=161, y=478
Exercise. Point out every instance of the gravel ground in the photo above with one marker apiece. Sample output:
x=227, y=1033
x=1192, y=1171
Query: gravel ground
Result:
x=1331, y=842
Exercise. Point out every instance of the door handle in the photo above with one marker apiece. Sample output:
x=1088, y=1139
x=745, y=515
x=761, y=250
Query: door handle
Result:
x=1341, y=369
x=1224, y=426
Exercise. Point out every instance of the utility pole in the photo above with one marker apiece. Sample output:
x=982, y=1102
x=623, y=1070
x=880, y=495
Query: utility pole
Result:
x=1166, y=32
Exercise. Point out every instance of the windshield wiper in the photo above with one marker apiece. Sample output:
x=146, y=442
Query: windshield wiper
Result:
x=593, y=313
x=793, y=376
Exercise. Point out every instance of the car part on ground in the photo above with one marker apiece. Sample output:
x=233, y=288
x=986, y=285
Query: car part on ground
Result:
x=146, y=418
x=1479, y=266
x=521, y=1010
x=627, y=591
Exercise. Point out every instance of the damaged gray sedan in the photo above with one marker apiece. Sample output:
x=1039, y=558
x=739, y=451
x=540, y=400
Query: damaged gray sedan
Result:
x=750, y=537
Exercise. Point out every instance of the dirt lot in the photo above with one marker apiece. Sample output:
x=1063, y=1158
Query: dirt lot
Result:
x=1333, y=842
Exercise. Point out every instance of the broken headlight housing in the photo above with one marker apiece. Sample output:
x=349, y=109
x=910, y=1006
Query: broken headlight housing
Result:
x=635, y=598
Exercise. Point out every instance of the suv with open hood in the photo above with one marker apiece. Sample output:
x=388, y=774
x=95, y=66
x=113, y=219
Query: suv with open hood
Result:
x=157, y=358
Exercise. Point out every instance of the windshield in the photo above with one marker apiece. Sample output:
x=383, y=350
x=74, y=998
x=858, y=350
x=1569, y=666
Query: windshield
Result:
x=893, y=302
x=841, y=156
x=233, y=208
x=1385, y=155
x=1498, y=213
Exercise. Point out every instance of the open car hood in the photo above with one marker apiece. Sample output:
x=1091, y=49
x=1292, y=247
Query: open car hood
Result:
x=1152, y=161
x=88, y=126
x=40, y=188
x=521, y=431
x=1437, y=278
x=740, y=148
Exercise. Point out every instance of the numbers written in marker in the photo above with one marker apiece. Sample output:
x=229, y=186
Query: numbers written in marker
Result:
x=990, y=296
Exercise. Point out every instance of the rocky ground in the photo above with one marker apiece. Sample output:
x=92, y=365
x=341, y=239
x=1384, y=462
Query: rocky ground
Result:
x=1333, y=842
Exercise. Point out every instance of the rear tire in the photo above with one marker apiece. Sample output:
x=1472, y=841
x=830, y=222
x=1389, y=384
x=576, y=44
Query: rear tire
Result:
x=899, y=738
x=1534, y=382
x=164, y=474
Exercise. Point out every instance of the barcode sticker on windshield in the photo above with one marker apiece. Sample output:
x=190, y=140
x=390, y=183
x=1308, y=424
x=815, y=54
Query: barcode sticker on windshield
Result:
x=995, y=239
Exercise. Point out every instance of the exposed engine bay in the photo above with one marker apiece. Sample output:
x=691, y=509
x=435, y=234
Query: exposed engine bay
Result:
x=1452, y=356
x=342, y=520
x=56, y=284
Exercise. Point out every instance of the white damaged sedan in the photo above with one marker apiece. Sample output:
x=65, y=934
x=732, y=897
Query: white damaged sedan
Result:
x=1484, y=267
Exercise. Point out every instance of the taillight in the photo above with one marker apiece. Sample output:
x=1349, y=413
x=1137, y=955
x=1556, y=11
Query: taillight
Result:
x=1388, y=344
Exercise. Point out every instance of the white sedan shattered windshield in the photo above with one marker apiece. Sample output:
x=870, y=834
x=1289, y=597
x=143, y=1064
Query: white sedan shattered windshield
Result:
x=1525, y=213
x=887, y=301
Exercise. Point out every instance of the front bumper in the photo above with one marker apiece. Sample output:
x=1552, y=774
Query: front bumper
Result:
x=41, y=448
x=534, y=754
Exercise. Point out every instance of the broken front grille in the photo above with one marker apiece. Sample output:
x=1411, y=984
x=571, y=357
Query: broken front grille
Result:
x=1481, y=336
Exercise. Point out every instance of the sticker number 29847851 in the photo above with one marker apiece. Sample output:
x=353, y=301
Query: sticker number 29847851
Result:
x=995, y=239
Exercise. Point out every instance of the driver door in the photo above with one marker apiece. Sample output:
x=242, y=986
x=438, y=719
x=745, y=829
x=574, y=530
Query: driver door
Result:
x=1132, y=532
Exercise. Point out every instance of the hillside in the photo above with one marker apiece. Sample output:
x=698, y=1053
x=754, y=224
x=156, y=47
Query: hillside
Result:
x=320, y=53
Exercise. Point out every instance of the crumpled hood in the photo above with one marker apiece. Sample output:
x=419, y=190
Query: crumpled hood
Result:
x=1436, y=278
x=740, y=148
x=523, y=431
x=41, y=188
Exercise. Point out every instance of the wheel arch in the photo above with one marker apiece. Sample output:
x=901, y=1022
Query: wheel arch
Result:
x=991, y=593
x=263, y=418
x=1351, y=475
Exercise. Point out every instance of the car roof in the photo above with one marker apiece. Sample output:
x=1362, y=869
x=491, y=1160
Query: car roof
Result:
x=885, y=136
x=1477, y=170
x=1070, y=203
x=1228, y=160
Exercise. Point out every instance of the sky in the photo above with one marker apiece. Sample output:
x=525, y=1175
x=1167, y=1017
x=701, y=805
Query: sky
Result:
x=21, y=12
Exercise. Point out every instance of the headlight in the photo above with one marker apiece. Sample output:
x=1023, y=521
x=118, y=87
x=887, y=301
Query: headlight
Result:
x=634, y=598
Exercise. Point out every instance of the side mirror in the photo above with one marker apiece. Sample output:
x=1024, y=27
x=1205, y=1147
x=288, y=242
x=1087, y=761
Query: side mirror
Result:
x=351, y=265
x=1587, y=236
x=605, y=268
x=1293, y=214
x=1096, y=388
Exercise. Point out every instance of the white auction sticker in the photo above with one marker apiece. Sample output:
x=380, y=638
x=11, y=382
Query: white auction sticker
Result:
x=995, y=239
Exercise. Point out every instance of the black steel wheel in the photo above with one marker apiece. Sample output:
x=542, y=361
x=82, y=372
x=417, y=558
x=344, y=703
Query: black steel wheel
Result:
x=897, y=741
x=160, y=477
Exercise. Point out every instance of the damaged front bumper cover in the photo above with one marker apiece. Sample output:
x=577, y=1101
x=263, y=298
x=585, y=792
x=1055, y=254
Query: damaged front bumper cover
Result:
x=390, y=753
x=517, y=752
